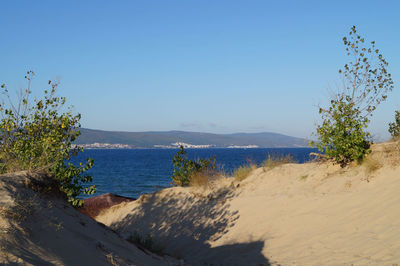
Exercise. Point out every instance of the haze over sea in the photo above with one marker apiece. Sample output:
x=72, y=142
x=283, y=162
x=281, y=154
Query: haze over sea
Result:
x=132, y=172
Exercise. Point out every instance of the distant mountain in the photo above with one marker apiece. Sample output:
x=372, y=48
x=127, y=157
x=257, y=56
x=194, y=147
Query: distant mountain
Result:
x=167, y=138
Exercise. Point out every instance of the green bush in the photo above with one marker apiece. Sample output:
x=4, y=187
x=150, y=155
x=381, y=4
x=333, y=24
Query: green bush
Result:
x=394, y=128
x=342, y=134
x=365, y=84
x=38, y=136
x=185, y=169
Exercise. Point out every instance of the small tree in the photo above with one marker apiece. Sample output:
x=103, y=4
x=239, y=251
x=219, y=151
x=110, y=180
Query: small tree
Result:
x=39, y=136
x=365, y=84
x=394, y=128
x=185, y=168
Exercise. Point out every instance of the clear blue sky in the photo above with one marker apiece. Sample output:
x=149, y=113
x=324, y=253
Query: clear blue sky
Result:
x=212, y=66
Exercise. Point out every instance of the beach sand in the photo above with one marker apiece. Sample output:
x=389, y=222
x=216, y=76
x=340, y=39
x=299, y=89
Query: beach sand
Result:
x=295, y=214
x=41, y=228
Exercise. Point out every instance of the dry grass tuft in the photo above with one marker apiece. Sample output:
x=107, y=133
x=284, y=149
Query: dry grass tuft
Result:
x=396, y=139
x=391, y=153
x=200, y=180
x=145, y=242
x=303, y=177
x=22, y=208
x=244, y=171
x=10, y=166
x=396, y=146
x=206, y=179
x=371, y=164
x=272, y=162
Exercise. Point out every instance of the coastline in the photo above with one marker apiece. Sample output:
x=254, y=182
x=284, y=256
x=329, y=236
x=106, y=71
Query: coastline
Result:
x=120, y=146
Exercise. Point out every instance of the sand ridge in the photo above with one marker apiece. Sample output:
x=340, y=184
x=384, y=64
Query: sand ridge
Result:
x=294, y=214
x=38, y=228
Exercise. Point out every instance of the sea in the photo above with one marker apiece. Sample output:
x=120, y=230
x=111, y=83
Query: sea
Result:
x=133, y=172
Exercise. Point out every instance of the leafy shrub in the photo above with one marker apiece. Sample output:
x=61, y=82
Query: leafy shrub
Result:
x=394, y=128
x=366, y=82
x=185, y=169
x=39, y=136
x=342, y=136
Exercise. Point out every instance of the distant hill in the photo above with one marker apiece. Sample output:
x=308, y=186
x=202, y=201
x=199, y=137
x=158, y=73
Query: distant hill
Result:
x=167, y=138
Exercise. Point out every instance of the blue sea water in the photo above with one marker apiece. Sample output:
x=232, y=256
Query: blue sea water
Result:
x=133, y=172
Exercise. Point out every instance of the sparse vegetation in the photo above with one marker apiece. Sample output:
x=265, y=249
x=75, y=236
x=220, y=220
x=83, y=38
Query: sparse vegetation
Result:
x=303, y=177
x=242, y=172
x=22, y=207
x=200, y=179
x=145, y=242
x=366, y=82
x=185, y=169
x=271, y=162
x=37, y=136
x=274, y=161
x=394, y=128
x=371, y=164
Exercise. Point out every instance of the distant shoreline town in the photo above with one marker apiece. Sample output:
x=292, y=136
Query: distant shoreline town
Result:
x=176, y=145
x=98, y=139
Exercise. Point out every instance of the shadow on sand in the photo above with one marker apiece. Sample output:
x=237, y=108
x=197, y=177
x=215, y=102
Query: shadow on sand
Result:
x=182, y=224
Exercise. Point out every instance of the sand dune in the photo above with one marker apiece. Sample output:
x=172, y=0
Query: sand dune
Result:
x=40, y=228
x=294, y=214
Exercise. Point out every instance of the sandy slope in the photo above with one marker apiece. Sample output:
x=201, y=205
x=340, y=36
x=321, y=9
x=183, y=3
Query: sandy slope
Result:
x=308, y=214
x=38, y=228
